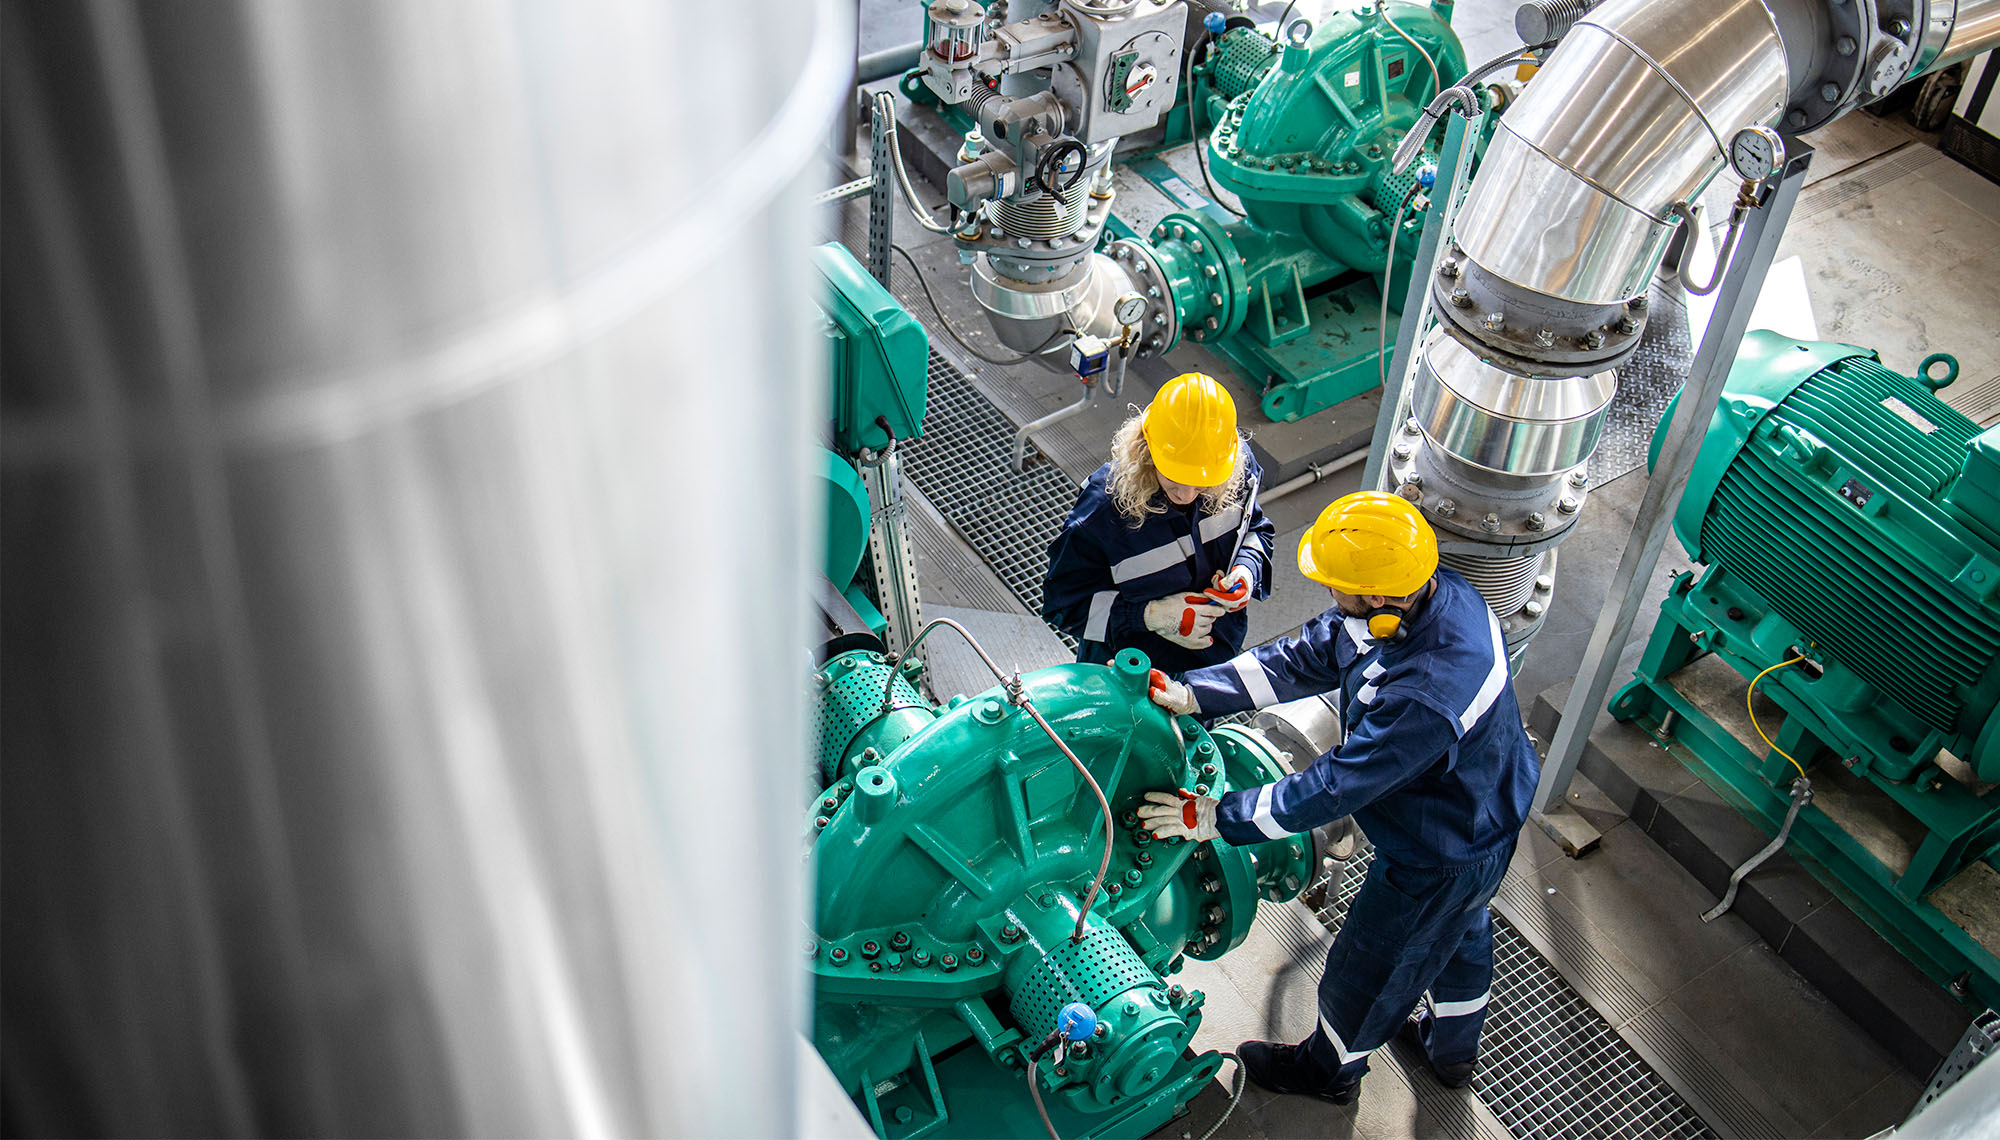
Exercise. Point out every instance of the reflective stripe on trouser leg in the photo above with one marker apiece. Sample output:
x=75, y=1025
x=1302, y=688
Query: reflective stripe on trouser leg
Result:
x=1397, y=942
x=1460, y=994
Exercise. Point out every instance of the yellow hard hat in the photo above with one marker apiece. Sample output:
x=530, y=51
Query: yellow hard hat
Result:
x=1190, y=428
x=1370, y=543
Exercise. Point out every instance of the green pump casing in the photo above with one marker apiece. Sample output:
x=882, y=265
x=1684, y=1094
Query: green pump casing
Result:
x=953, y=849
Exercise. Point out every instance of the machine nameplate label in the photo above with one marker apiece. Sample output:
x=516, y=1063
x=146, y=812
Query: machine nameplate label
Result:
x=1909, y=415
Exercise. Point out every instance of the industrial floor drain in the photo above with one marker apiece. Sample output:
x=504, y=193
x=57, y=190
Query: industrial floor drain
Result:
x=1549, y=1066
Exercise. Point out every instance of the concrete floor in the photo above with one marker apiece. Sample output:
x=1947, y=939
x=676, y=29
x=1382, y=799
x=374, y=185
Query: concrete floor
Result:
x=1890, y=239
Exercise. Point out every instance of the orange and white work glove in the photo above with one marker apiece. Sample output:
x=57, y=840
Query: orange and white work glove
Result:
x=1184, y=619
x=1170, y=694
x=1231, y=591
x=1177, y=814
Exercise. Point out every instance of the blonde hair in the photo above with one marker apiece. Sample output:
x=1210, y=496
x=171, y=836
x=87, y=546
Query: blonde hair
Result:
x=1134, y=482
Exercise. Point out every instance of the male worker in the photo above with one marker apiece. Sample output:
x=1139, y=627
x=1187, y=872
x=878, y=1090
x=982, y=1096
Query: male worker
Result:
x=1158, y=553
x=1435, y=767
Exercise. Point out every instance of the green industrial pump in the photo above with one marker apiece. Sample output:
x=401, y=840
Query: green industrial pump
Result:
x=1301, y=132
x=1849, y=518
x=955, y=850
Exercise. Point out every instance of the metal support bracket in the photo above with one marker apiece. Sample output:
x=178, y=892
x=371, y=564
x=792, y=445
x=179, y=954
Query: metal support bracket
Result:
x=880, y=190
x=889, y=549
x=1735, y=299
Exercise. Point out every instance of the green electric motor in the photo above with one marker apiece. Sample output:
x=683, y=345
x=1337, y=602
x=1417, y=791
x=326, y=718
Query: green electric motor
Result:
x=1848, y=518
x=954, y=848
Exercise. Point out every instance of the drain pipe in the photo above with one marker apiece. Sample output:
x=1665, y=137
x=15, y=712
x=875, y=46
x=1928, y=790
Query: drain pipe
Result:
x=1314, y=473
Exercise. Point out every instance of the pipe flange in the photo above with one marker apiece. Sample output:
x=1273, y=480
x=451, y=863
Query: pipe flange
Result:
x=1527, y=332
x=1495, y=517
x=1216, y=292
x=1842, y=59
x=1161, y=329
x=1521, y=626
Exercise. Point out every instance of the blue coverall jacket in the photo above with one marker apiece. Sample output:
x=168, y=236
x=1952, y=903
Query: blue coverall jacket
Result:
x=1438, y=771
x=1103, y=571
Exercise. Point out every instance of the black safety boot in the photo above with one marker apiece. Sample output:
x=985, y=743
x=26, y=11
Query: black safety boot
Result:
x=1453, y=1076
x=1282, y=1069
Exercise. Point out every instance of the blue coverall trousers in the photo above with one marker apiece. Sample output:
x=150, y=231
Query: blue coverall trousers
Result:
x=1412, y=934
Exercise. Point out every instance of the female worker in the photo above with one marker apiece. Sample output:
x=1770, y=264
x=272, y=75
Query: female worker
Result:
x=1156, y=554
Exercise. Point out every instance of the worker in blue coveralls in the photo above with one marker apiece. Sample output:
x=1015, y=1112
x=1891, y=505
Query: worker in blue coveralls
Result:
x=1158, y=553
x=1435, y=767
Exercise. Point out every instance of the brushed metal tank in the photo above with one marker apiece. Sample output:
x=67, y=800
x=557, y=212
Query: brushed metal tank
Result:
x=377, y=377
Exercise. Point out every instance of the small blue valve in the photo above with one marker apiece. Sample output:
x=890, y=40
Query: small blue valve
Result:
x=1214, y=22
x=1427, y=176
x=1076, y=1021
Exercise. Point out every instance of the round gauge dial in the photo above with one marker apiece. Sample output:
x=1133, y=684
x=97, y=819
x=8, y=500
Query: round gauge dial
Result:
x=1756, y=153
x=1129, y=309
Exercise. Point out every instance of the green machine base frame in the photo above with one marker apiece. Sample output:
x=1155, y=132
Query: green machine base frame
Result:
x=1757, y=784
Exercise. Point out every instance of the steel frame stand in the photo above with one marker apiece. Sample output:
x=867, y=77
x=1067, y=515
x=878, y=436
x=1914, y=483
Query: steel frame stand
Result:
x=1735, y=298
x=1447, y=194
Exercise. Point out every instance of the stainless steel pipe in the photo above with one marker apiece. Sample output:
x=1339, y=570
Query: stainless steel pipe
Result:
x=1630, y=115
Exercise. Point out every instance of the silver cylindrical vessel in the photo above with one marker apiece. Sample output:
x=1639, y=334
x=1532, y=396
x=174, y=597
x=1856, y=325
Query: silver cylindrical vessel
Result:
x=1975, y=28
x=379, y=378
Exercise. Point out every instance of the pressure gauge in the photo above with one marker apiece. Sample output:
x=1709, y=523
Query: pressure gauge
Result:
x=1130, y=309
x=1756, y=153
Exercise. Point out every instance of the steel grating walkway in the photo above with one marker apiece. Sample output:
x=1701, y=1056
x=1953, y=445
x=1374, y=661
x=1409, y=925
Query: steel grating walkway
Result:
x=1549, y=1066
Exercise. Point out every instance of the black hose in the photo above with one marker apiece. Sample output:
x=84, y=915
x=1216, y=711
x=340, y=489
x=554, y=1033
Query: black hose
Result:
x=945, y=322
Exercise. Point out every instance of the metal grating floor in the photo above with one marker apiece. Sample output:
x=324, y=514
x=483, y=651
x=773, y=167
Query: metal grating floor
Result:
x=962, y=465
x=1549, y=1066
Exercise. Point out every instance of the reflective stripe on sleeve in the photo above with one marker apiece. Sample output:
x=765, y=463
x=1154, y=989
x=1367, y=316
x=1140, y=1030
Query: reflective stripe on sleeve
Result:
x=1262, y=817
x=1496, y=678
x=1099, y=622
x=1256, y=682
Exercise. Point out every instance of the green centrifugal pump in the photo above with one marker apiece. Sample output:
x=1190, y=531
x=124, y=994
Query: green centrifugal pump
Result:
x=955, y=849
x=1848, y=516
x=1301, y=132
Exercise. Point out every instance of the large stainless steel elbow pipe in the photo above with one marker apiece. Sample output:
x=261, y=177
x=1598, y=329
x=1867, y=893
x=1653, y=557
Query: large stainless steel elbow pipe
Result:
x=1573, y=205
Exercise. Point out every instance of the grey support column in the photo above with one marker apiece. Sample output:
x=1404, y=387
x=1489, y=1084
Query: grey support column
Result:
x=1735, y=299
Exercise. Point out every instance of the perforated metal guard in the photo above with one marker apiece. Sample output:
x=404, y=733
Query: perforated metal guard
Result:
x=963, y=467
x=1646, y=381
x=1093, y=971
x=1549, y=1066
x=849, y=705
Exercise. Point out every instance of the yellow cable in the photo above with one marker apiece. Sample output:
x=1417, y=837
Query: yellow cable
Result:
x=1748, y=703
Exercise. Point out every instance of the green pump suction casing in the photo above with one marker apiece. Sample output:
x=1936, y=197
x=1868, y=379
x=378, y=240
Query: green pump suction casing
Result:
x=953, y=848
